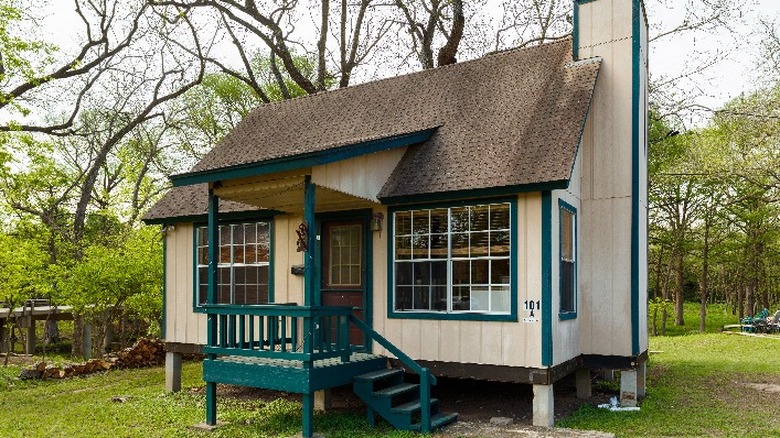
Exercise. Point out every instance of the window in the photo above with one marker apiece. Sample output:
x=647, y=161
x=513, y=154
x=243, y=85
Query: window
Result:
x=568, y=254
x=244, y=259
x=453, y=260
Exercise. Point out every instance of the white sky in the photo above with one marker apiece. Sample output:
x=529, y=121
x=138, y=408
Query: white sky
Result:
x=670, y=57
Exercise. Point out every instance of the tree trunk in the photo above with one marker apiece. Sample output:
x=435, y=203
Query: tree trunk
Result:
x=705, y=272
x=741, y=301
x=680, y=296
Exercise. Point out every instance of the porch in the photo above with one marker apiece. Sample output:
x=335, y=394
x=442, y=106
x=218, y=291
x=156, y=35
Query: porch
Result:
x=303, y=349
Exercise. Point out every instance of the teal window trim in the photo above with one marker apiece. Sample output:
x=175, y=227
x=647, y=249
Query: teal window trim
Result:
x=547, y=337
x=567, y=314
x=462, y=316
x=230, y=221
x=365, y=216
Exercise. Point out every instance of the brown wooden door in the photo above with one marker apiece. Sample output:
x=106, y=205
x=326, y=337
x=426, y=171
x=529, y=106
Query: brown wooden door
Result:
x=343, y=268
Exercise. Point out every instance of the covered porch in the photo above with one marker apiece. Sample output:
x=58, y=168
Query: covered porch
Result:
x=306, y=346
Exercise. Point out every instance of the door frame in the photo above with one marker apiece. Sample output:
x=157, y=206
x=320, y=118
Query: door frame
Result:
x=364, y=216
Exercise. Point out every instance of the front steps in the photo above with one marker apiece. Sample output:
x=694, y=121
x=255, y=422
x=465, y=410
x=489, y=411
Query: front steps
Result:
x=398, y=402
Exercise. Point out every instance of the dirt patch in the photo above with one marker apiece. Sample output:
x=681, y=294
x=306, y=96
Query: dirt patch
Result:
x=764, y=387
x=476, y=402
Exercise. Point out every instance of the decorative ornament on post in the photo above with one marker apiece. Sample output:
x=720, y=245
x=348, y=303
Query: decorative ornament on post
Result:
x=376, y=222
x=303, y=237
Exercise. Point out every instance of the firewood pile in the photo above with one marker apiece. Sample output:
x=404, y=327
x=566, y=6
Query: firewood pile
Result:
x=144, y=353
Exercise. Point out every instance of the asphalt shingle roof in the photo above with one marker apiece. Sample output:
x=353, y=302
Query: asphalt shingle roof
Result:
x=509, y=119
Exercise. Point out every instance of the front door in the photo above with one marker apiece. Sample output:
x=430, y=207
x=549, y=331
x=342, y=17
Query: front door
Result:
x=344, y=268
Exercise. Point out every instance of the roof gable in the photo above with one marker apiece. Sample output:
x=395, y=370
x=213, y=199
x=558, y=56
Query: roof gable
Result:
x=509, y=120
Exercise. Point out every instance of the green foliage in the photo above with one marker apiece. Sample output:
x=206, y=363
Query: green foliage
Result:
x=23, y=272
x=22, y=58
x=128, y=275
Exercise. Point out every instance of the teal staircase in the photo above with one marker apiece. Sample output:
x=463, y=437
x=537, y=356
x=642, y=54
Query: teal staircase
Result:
x=400, y=403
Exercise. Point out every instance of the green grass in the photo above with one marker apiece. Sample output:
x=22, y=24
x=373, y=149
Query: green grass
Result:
x=83, y=407
x=698, y=386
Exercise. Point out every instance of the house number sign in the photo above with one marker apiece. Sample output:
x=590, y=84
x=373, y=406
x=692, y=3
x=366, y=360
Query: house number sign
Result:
x=533, y=308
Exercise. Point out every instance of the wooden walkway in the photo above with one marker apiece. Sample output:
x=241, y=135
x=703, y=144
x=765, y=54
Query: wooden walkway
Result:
x=26, y=317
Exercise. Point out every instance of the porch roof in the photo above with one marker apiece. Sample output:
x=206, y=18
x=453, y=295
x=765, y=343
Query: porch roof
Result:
x=510, y=120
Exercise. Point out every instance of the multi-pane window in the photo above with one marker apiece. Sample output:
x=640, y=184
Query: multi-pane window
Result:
x=345, y=255
x=568, y=260
x=453, y=260
x=243, y=269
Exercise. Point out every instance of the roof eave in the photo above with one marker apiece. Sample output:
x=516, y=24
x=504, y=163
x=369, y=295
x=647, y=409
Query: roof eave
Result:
x=302, y=160
x=487, y=192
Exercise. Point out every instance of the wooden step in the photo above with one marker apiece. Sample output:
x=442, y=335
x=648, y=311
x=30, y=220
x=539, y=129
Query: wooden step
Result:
x=394, y=391
x=414, y=406
x=439, y=420
x=379, y=375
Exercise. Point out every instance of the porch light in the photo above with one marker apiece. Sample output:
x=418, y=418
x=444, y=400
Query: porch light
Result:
x=376, y=222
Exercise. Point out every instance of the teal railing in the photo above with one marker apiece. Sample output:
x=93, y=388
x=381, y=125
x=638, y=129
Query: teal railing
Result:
x=426, y=378
x=303, y=333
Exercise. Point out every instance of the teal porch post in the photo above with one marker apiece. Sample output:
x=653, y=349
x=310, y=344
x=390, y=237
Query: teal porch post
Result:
x=308, y=415
x=310, y=275
x=310, y=267
x=211, y=298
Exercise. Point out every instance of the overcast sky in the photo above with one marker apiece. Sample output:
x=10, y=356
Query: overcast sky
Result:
x=670, y=57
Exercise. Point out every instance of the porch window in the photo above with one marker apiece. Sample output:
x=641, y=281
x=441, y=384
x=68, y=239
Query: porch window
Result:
x=244, y=259
x=568, y=251
x=453, y=260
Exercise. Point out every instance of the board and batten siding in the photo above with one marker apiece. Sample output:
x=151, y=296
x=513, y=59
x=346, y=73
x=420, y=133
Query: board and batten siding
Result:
x=361, y=176
x=183, y=325
x=566, y=333
x=606, y=30
x=477, y=342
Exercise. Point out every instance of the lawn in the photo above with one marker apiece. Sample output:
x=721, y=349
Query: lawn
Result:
x=132, y=403
x=698, y=385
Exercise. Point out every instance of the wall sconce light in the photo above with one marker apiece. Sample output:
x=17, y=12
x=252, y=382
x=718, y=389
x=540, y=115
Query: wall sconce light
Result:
x=376, y=222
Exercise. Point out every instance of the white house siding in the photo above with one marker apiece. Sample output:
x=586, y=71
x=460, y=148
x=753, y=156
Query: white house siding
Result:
x=361, y=176
x=477, y=342
x=181, y=324
x=566, y=333
x=288, y=288
x=605, y=216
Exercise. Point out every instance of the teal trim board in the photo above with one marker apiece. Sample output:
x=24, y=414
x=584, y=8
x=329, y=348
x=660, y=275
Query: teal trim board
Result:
x=433, y=315
x=635, y=146
x=164, y=280
x=363, y=215
x=303, y=160
x=563, y=205
x=213, y=273
x=465, y=196
x=547, y=338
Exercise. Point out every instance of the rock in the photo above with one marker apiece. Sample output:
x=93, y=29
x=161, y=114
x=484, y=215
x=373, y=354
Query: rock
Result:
x=28, y=374
x=501, y=421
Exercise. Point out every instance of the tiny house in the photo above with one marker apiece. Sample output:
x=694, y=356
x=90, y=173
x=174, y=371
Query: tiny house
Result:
x=483, y=220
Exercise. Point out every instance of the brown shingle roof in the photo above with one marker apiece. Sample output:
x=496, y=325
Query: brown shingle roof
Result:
x=508, y=119
x=189, y=202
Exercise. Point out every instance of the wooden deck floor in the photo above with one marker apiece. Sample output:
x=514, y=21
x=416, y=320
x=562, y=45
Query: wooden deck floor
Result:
x=289, y=375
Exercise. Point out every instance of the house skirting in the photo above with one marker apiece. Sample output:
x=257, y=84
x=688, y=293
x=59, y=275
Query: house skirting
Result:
x=527, y=375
